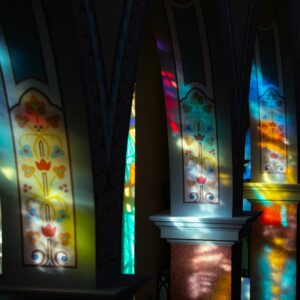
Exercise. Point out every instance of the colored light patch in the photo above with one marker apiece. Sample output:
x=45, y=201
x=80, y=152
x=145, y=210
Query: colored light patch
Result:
x=245, y=288
x=271, y=216
x=200, y=272
x=274, y=252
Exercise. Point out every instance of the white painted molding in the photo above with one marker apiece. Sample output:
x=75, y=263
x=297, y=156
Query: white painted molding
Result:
x=283, y=192
x=197, y=230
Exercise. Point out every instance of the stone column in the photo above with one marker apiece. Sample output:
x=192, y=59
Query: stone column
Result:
x=273, y=189
x=273, y=251
x=201, y=225
x=204, y=260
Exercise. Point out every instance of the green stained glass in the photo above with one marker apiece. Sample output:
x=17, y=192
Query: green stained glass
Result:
x=129, y=199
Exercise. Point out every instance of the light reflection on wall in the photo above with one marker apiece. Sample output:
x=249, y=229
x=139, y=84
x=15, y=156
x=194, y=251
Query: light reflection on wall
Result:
x=200, y=272
x=274, y=251
x=128, y=235
x=247, y=156
x=171, y=104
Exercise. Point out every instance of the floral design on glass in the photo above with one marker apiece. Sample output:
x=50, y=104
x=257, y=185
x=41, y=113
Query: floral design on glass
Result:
x=45, y=182
x=200, y=149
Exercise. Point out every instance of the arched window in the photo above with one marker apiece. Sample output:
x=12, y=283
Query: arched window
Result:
x=128, y=233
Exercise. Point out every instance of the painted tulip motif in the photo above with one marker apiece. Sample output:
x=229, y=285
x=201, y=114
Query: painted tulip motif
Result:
x=49, y=231
x=42, y=165
x=201, y=179
x=199, y=137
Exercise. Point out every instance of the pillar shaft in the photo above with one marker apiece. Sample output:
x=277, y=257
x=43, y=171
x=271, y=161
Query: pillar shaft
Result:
x=273, y=243
x=273, y=251
x=200, y=272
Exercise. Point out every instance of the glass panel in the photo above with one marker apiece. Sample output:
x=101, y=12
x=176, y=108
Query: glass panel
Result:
x=0, y=238
x=129, y=199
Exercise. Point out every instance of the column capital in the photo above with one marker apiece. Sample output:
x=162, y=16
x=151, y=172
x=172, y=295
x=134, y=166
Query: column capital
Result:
x=261, y=192
x=197, y=230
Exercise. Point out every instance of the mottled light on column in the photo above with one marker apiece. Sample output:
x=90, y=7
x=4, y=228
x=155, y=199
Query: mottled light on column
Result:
x=200, y=272
x=273, y=252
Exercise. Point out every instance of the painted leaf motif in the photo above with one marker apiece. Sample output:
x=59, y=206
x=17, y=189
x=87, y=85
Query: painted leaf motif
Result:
x=57, y=152
x=26, y=151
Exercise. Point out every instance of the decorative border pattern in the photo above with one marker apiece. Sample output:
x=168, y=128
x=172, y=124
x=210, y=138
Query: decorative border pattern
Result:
x=45, y=182
x=200, y=149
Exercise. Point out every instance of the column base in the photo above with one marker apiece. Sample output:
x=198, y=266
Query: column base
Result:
x=201, y=255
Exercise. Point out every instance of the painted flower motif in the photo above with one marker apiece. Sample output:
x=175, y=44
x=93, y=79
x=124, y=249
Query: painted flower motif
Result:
x=57, y=152
x=53, y=120
x=28, y=170
x=27, y=188
x=32, y=214
x=264, y=126
x=35, y=106
x=38, y=128
x=42, y=165
x=189, y=140
x=199, y=137
x=188, y=152
x=64, y=188
x=48, y=231
x=274, y=155
x=62, y=216
x=60, y=171
x=22, y=120
x=26, y=151
x=201, y=179
x=33, y=237
x=210, y=170
x=65, y=238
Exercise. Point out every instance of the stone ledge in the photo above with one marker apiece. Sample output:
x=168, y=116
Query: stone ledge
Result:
x=197, y=230
x=125, y=288
x=259, y=191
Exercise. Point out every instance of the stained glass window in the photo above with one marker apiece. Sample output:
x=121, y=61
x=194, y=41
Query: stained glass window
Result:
x=128, y=235
x=0, y=238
